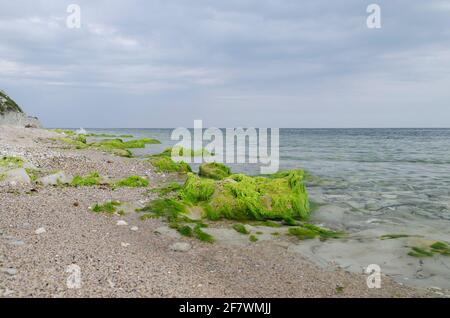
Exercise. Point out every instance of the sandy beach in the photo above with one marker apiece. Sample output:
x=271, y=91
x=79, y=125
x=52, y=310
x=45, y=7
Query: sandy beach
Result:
x=45, y=229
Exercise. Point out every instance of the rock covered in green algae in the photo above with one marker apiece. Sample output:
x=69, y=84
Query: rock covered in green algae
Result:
x=214, y=170
x=164, y=163
x=240, y=197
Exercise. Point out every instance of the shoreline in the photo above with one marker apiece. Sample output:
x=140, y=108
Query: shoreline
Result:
x=139, y=259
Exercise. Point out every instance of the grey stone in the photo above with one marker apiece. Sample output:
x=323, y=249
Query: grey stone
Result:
x=55, y=179
x=180, y=247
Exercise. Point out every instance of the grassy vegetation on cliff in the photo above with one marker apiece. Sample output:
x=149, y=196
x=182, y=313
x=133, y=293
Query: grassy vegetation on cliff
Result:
x=8, y=105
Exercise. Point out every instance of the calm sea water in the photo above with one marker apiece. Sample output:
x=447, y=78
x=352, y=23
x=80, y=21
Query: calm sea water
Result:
x=371, y=182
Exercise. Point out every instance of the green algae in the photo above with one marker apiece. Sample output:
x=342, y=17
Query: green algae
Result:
x=310, y=231
x=214, y=170
x=168, y=208
x=2, y=177
x=441, y=248
x=185, y=230
x=108, y=207
x=394, y=236
x=420, y=252
x=11, y=162
x=166, y=164
x=90, y=180
x=132, y=182
x=34, y=174
x=253, y=238
x=120, y=144
x=172, y=187
x=203, y=236
x=240, y=197
x=196, y=189
x=240, y=228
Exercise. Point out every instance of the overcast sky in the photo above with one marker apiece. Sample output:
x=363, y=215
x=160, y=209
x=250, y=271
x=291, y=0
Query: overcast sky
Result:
x=260, y=63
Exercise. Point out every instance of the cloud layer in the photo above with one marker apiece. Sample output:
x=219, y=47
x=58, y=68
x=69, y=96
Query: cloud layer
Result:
x=285, y=63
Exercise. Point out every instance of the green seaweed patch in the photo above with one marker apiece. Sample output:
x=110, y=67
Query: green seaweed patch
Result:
x=266, y=223
x=90, y=180
x=11, y=162
x=185, y=230
x=166, y=164
x=120, y=144
x=240, y=228
x=253, y=238
x=197, y=190
x=168, y=208
x=214, y=170
x=240, y=197
x=394, y=236
x=420, y=252
x=108, y=207
x=2, y=177
x=441, y=248
x=34, y=174
x=172, y=187
x=132, y=182
x=202, y=236
x=310, y=231
x=74, y=142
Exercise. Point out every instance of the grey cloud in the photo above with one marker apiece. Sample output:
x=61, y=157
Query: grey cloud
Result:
x=285, y=63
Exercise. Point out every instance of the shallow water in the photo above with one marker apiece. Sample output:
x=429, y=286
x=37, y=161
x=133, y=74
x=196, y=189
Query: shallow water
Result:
x=372, y=182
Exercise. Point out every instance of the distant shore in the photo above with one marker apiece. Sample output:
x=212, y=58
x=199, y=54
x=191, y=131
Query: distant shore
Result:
x=44, y=229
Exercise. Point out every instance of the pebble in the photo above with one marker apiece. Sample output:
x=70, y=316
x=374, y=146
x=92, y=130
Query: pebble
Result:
x=180, y=247
x=10, y=271
x=125, y=244
x=122, y=223
x=134, y=228
x=40, y=230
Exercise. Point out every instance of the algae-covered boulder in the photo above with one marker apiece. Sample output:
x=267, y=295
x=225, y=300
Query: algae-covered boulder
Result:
x=240, y=197
x=164, y=163
x=214, y=170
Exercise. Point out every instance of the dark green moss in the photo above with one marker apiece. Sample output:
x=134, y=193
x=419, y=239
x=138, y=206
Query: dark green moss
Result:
x=253, y=239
